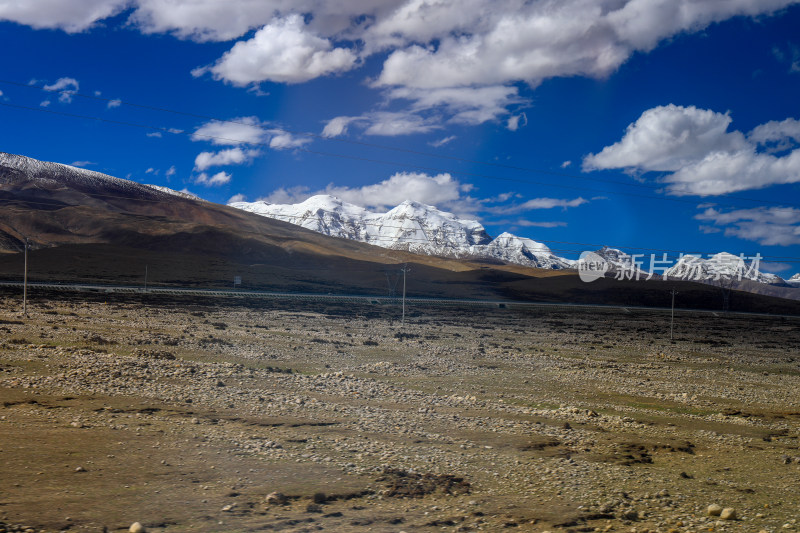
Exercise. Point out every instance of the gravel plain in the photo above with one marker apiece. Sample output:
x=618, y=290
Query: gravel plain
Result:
x=185, y=415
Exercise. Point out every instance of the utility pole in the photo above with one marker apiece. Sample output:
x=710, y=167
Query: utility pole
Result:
x=25, y=283
x=405, y=270
x=672, y=319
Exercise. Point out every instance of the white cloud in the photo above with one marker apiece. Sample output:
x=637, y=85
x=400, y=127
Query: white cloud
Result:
x=290, y=195
x=337, y=126
x=170, y=171
x=769, y=266
x=154, y=134
x=246, y=130
x=708, y=229
x=220, y=178
x=382, y=123
x=282, y=51
x=114, y=103
x=565, y=164
x=283, y=140
x=44, y=103
x=768, y=226
x=231, y=132
x=506, y=41
x=516, y=121
x=67, y=87
x=438, y=190
x=783, y=134
x=431, y=47
x=464, y=105
x=82, y=163
x=531, y=224
x=237, y=198
x=151, y=170
x=701, y=156
x=388, y=123
x=441, y=142
x=68, y=15
x=231, y=156
x=441, y=190
x=667, y=138
x=539, y=203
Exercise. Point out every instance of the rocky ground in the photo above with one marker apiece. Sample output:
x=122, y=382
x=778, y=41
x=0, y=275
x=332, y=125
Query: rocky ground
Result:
x=189, y=415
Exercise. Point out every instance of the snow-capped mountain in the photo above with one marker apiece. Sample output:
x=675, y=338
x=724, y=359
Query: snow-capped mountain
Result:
x=20, y=168
x=794, y=280
x=173, y=192
x=521, y=251
x=719, y=267
x=621, y=262
x=411, y=226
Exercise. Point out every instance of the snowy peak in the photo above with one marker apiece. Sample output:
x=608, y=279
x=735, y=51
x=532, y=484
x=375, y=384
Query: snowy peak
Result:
x=522, y=251
x=411, y=226
x=719, y=267
x=21, y=169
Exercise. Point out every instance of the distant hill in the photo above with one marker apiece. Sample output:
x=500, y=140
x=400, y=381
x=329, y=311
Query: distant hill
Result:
x=90, y=227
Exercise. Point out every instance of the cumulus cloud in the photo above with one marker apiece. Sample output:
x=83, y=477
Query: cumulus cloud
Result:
x=768, y=226
x=231, y=156
x=538, y=203
x=246, y=130
x=699, y=154
x=667, y=138
x=441, y=190
x=237, y=198
x=429, y=48
x=231, y=132
x=68, y=15
x=464, y=105
x=220, y=178
x=509, y=41
x=282, y=51
x=778, y=135
x=67, y=87
x=382, y=123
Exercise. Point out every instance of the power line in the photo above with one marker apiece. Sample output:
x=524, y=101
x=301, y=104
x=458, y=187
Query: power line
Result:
x=375, y=145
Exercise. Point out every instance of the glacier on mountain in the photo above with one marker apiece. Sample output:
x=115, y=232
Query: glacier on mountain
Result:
x=410, y=226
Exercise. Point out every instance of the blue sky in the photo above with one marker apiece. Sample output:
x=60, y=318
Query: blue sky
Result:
x=659, y=125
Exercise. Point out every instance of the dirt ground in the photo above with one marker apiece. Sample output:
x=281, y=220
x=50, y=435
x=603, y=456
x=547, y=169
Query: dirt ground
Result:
x=184, y=415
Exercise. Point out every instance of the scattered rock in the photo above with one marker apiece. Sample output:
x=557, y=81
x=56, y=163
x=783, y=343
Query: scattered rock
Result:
x=714, y=510
x=276, y=498
x=136, y=527
x=729, y=513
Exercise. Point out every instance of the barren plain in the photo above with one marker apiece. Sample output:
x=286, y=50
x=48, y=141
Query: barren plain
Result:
x=233, y=415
